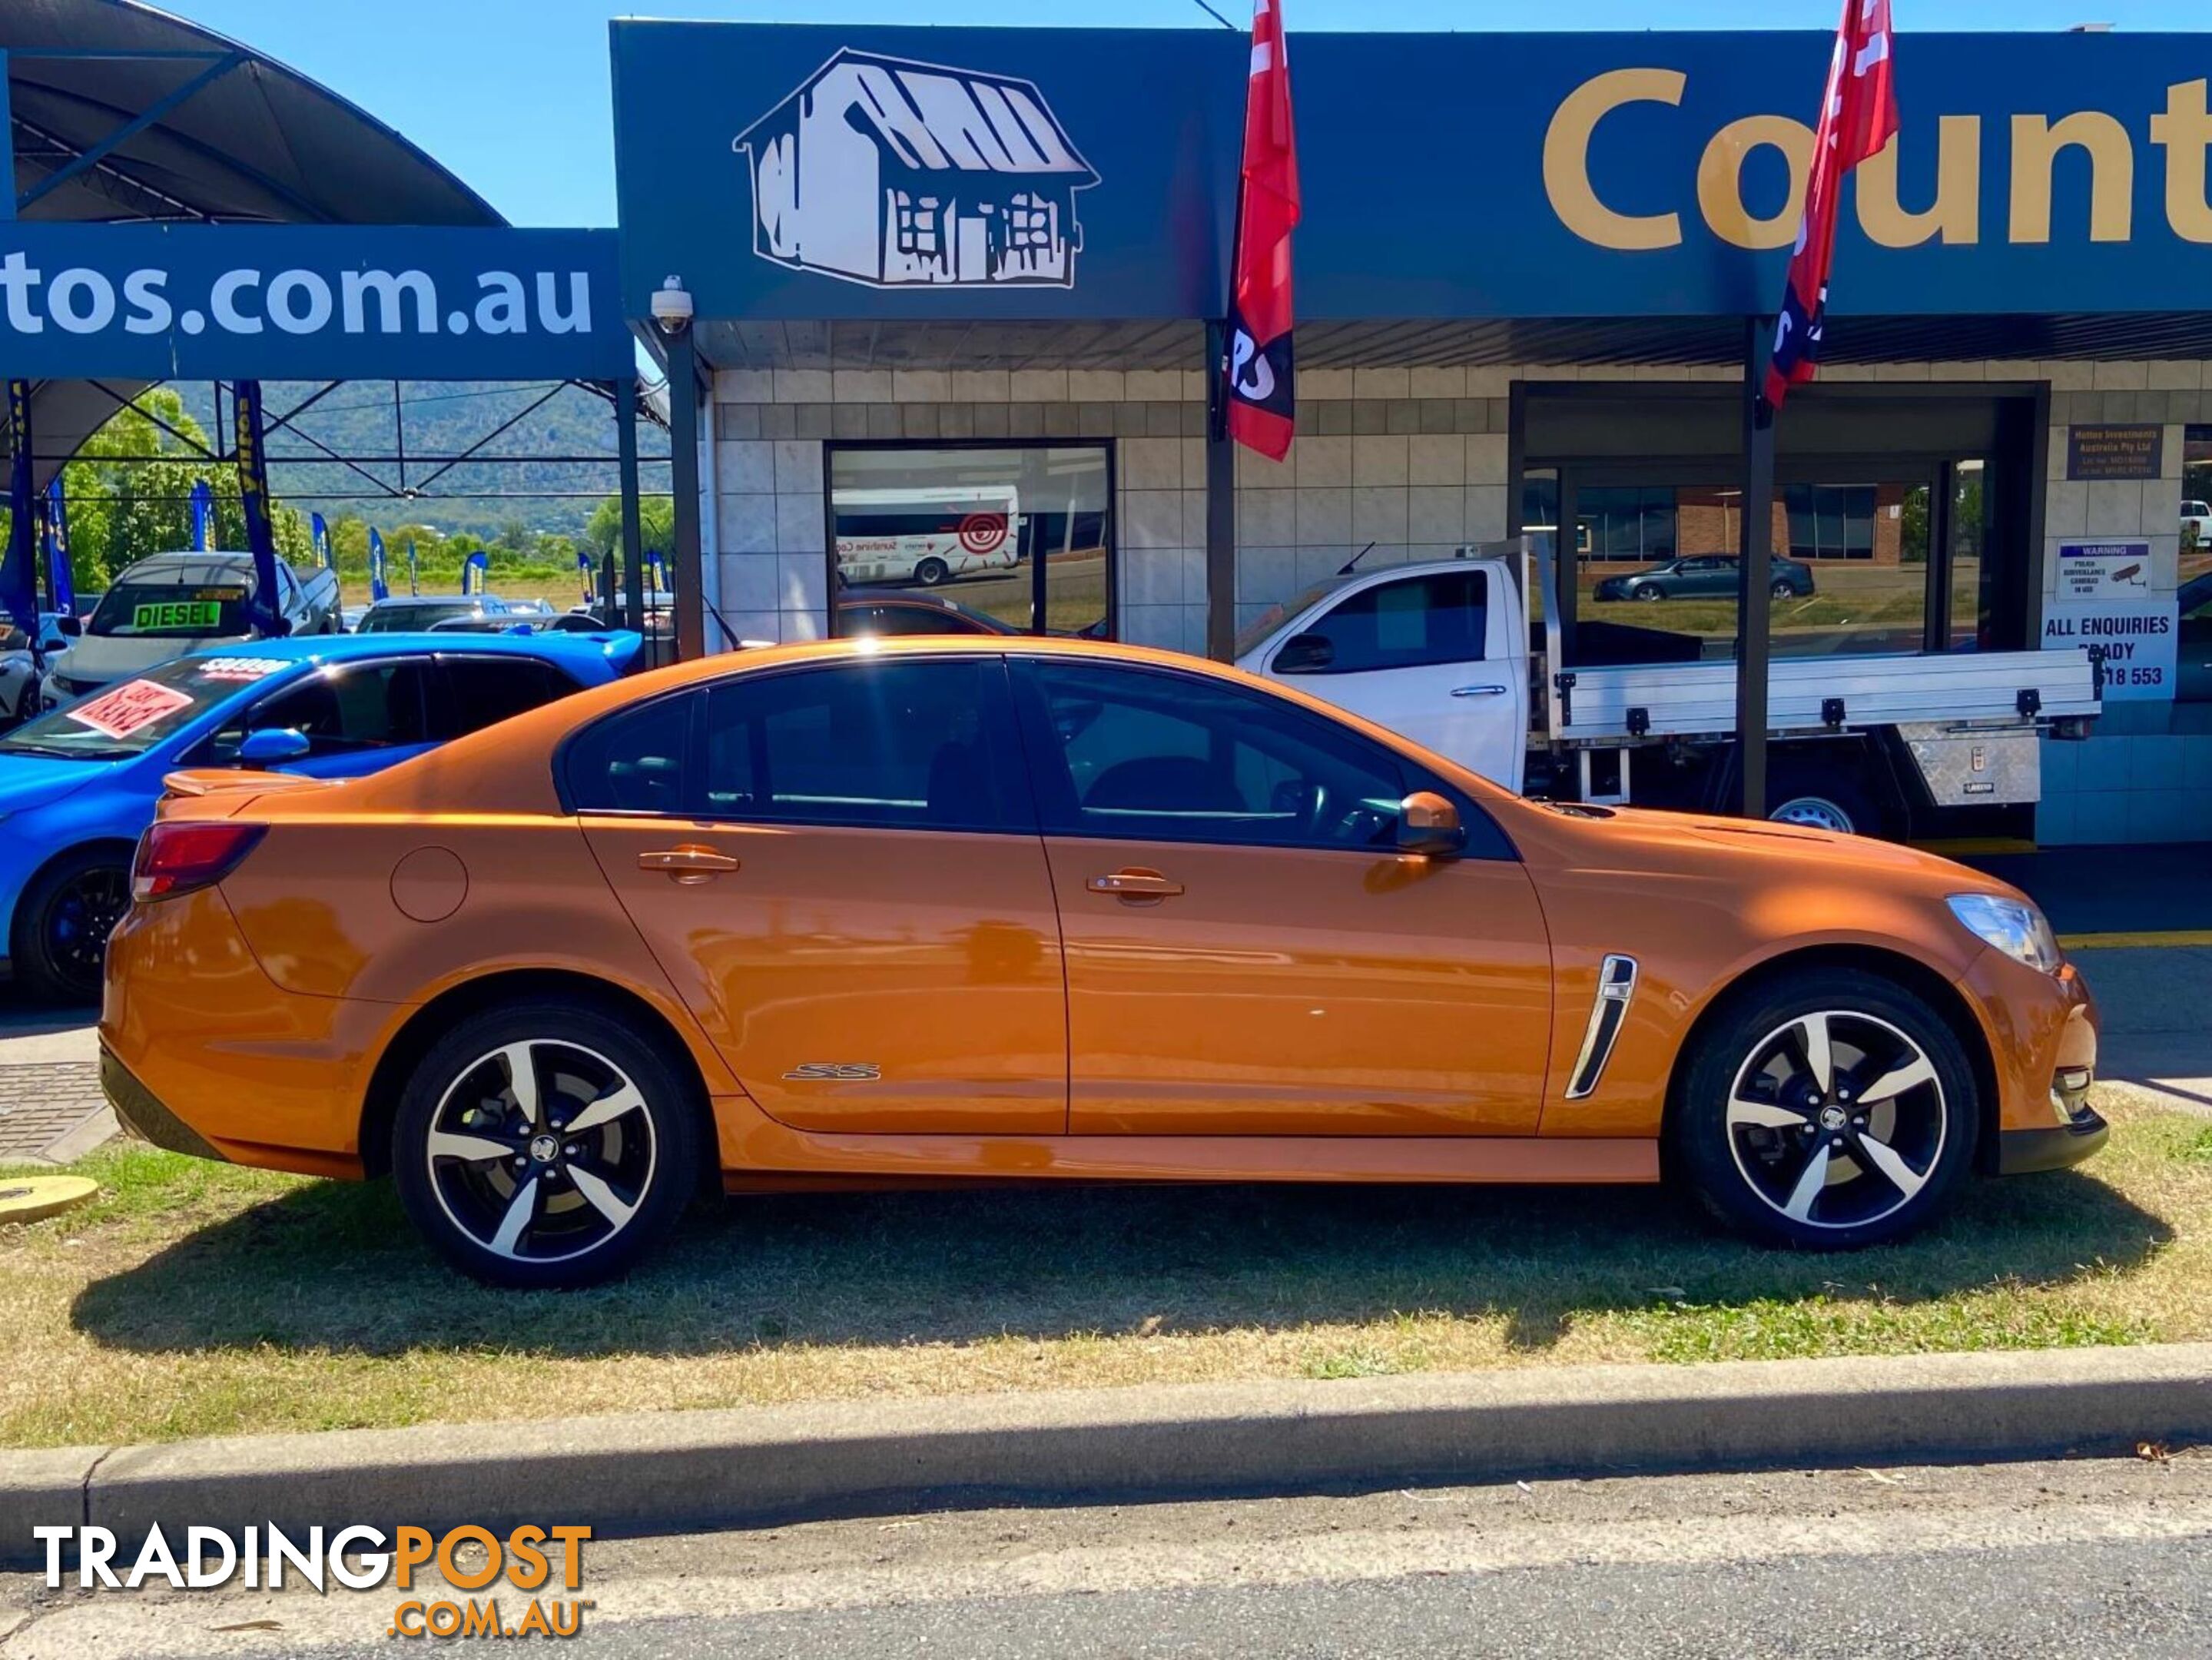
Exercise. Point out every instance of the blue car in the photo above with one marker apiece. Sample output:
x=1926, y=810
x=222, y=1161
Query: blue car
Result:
x=79, y=783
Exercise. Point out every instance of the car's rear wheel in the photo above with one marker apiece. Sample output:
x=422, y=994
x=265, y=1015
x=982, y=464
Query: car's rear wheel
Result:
x=546, y=1146
x=63, y=922
x=1829, y=1110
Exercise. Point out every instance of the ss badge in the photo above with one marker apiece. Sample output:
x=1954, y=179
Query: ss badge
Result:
x=842, y=1072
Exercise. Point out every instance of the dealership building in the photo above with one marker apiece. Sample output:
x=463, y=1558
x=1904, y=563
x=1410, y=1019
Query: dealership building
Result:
x=950, y=292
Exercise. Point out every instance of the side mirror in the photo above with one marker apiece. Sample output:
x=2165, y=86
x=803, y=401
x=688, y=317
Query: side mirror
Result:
x=1429, y=826
x=71, y=626
x=272, y=745
x=1304, y=653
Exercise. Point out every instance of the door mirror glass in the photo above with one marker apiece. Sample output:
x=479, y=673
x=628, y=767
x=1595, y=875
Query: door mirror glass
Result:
x=272, y=745
x=73, y=627
x=1304, y=653
x=1429, y=826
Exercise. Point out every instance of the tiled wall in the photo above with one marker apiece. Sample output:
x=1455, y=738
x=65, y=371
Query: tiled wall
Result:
x=1413, y=460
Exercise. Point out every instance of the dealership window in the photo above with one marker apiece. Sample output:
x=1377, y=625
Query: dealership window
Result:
x=2193, y=658
x=990, y=537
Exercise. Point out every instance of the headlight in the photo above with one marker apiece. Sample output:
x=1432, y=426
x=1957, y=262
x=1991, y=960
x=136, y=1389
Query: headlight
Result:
x=2013, y=926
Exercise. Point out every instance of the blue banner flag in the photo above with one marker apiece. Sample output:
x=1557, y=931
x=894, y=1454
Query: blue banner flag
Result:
x=203, y=516
x=656, y=573
x=378, y=587
x=414, y=568
x=583, y=571
x=266, y=607
x=61, y=581
x=19, y=566
x=475, y=573
x=322, y=534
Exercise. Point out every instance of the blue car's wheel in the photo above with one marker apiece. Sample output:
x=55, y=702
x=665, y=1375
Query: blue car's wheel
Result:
x=62, y=924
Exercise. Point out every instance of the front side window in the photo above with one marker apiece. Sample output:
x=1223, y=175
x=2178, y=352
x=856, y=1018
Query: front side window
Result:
x=342, y=711
x=1139, y=755
x=900, y=744
x=1410, y=623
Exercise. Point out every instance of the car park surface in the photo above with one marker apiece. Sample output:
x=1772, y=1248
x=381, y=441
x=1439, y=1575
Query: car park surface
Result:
x=79, y=784
x=809, y=913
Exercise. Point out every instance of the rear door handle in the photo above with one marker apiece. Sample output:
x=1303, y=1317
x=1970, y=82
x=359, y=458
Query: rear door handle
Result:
x=689, y=865
x=1137, y=885
x=1478, y=691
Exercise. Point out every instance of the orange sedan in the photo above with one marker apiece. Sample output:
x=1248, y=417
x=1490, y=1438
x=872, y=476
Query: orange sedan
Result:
x=910, y=910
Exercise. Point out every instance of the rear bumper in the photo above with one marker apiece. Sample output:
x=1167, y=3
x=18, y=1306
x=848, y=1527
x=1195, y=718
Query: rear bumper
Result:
x=137, y=1106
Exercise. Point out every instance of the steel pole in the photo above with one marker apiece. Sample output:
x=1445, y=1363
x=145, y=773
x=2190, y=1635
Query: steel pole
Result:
x=1755, y=570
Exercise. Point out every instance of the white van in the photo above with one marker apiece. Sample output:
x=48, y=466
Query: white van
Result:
x=927, y=535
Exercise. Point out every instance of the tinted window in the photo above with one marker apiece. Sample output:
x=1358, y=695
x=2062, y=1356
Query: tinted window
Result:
x=342, y=710
x=903, y=619
x=1441, y=618
x=1144, y=755
x=634, y=761
x=894, y=744
x=388, y=618
x=481, y=691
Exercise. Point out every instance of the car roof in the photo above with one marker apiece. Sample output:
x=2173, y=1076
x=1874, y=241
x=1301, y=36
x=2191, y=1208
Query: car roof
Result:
x=350, y=647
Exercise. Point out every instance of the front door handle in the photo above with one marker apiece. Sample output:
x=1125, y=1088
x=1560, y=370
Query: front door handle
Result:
x=1137, y=885
x=1478, y=691
x=689, y=865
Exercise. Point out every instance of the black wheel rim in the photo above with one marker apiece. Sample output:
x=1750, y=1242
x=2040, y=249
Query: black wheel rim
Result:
x=1836, y=1120
x=542, y=1151
x=83, y=913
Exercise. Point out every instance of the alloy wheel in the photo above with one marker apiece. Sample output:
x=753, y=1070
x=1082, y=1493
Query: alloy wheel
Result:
x=83, y=913
x=1837, y=1119
x=541, y=1151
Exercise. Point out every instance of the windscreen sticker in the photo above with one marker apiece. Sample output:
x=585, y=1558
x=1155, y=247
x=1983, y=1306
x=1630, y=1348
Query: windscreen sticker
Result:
x=238, y=668
x=134, y=704
x=177, y=614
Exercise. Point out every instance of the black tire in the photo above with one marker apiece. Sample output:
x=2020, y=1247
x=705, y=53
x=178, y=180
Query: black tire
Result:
x=58, y=944
x=932, y=571
x=643, y=1160
x=1737, y=1134
x=1647, y=591
x=1783, y=588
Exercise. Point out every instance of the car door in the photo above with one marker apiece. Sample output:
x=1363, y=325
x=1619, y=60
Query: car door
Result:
x=1422, y=654
x=838, y=869
x=1247, y=952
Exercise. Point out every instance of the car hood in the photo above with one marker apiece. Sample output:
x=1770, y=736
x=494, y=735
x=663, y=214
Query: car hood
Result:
x=38, y=781
x=97, y=659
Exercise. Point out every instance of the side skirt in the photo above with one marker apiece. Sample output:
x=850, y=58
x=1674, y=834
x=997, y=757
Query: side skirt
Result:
x=762, y=1151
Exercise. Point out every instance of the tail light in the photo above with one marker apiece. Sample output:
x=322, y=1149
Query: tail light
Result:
x=179, y=856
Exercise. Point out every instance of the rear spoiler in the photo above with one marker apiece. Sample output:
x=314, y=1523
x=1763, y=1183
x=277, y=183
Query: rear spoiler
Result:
x=236, y=781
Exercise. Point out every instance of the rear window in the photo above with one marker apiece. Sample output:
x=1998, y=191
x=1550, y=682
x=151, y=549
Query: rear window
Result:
x=482, y=692
x=171, y=611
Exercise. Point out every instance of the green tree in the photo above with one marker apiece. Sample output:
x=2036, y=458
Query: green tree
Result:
x=656, y=516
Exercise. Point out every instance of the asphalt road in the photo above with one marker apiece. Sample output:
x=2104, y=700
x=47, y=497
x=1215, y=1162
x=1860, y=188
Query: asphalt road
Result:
x=2100, y=1557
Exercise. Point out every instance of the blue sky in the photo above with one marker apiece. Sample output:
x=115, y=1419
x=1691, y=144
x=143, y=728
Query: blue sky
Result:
x=512, y=94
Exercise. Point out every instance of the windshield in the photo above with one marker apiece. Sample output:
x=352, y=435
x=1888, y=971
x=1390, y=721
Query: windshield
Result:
x=171, y=611
x=1273, y=617
x=132, y=717
x=412, y=620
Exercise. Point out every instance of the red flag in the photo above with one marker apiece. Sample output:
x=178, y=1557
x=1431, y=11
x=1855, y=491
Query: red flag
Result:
x=1859, y=116
x=1259, y=394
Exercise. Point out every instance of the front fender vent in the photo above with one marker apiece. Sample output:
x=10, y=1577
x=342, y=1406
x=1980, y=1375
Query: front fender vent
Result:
x=1616, y=987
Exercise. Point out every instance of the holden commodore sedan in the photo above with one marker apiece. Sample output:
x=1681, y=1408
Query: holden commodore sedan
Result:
x=947, y=908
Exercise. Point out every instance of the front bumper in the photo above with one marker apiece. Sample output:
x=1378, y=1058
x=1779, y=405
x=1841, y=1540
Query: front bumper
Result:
x=2021, y=1152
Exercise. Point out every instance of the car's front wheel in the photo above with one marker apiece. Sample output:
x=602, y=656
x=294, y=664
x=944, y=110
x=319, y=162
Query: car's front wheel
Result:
x=1829, y=1110
x=1647, y=591
x=546, y=1146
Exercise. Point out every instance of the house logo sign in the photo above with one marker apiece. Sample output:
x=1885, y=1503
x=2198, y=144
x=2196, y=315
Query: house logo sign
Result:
x=899, y=174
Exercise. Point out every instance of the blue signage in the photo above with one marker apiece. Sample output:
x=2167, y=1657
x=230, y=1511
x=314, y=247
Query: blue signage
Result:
x=162, y=302
x=825, y=171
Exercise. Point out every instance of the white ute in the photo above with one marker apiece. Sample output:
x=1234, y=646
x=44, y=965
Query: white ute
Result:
x=1441, y=652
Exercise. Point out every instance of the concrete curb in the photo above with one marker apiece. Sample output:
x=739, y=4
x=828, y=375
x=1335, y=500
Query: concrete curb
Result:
x=657, y=1472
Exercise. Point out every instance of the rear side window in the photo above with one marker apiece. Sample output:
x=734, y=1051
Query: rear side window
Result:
x=636, y=760
x=482, y=692
x=910, y=744
x=1421, y=620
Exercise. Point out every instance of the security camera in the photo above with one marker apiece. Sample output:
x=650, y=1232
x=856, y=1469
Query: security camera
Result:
x=672, y=305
